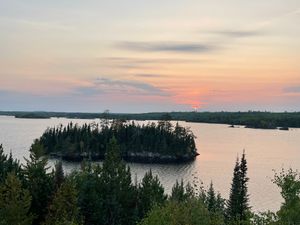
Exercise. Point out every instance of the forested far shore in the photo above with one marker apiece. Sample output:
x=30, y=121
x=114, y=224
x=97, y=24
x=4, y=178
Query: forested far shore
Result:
x=31, y=194
x=159, y=142
x=251, y=119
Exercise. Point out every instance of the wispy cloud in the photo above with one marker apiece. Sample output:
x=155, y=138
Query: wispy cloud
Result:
x=130, y=87
x=132, y=60
x=148, y=75
x=146, y=63
x=88, y=91
x=104, y=86
x=179, y=47
x=190, y=47
x=238, y=33
x=292, y=89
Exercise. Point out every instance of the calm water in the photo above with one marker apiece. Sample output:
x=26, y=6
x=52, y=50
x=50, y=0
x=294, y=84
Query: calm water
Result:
x=218, y=145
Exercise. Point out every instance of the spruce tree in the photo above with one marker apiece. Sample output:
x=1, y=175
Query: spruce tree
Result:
x=238, y=203
x=59, y=176
x=8, y=165
x=150, y=193
x=178, y=192
x=215, y=206
x=211, y=198
x=90, y=199
x=15, y=202
x=233, y=203
x=220, y=204
x=117, y=192
x=39, y=182
x=64, y=209
x=244, y=197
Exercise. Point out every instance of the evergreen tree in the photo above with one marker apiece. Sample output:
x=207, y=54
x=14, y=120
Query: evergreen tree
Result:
x=211, y=198
x=244, y=197
x=118, y=194
x=238, y=203
x=59, y=176
x=178, y=192
x=189, y=191
x=150, y=193
x=215, y=206
x=39, y=182
x=64, y=209
x=90, y=201
x=15, y=202
x=233, y=203
x=7, y=165
x=220, y=204
x=78, y=142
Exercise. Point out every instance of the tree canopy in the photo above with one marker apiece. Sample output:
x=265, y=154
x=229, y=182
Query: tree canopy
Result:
x=161, y=142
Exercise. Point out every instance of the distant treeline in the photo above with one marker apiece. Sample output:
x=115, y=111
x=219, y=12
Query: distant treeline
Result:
x=154, y=142
x=251, y=119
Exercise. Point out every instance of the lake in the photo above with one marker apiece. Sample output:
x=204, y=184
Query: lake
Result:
x=218, y=145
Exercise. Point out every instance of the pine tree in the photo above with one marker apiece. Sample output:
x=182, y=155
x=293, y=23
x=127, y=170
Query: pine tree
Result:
x=64, y=209
x=14, y=202
x=90, y=201
x=39, y=182
x=7, y=165
x=244, y=197
x=189, y=191
x=59, y=176
x=220, y=204
x=118, y=193
x=211, y=198
x=178, y=192
x=215, y=206
x=233, y=203
x=238, y=203
x=150, y=193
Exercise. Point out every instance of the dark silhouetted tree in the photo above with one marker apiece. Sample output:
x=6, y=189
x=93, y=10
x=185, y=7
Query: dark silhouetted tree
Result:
x=8, y=165
x=238, y=203
x=118, y=193
x=178, y=192
x=39, y=182
x=150, y=193
x=233, y=203
x=64, y=208
x=59, y=176
x=15, y=202
x=244, y=197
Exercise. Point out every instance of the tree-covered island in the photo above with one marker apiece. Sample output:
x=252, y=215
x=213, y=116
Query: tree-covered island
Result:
x=159, y=142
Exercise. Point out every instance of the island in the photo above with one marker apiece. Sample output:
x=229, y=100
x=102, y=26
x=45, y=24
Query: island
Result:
x=31, y=115
x=159, y=142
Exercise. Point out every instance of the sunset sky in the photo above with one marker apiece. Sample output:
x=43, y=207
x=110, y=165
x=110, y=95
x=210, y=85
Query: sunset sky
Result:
x=150, y=55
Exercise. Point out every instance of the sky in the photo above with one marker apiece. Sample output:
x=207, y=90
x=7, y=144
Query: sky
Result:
x=150, y=55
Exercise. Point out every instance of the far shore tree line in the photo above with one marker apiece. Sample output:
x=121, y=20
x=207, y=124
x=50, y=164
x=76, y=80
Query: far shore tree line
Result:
x=251, y=119
x=33, y=194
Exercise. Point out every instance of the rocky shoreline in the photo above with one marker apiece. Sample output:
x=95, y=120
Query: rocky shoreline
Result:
x=137, y=157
